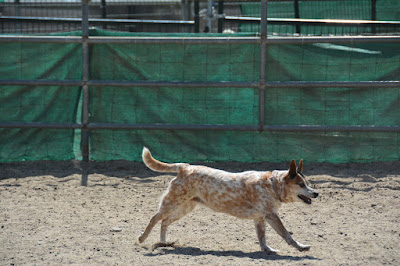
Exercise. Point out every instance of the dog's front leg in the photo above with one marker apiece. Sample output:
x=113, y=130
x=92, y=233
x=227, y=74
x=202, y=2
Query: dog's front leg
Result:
x=276, y=223
x=260, y=229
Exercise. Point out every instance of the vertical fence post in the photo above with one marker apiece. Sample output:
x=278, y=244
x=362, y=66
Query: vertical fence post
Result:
x=209, y=17
x=103, y=8
x=186, y=12
x=220, y=18
x=17, y=10
x=297, y=15
x=263, y=55
x=196, y=16
x=373, y=15
x=85, y=92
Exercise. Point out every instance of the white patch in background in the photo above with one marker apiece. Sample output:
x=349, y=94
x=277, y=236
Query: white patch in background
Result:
x=345, y=48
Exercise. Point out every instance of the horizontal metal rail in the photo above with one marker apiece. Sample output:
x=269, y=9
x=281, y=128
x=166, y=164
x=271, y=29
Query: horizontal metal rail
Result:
x=333, y=84
x=51, y=125
x=40, y=39
x=39, y=82
x=130, y=39
x=41, y=4
x=316, y=22
x=158, y=126
x=201, y=40
x=268, y=84
x=216, y=84
x=177, y=40
x=276, y=21
x=200, y=127
x=182, y=84
x=77, y=3
x=246, y=40
x=97, y=20
x=339, y=128
x=277, y=128
x=334, y=39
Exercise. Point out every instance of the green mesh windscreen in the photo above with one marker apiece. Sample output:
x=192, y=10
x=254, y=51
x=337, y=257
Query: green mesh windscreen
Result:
x=24, y=61
x=229, y=106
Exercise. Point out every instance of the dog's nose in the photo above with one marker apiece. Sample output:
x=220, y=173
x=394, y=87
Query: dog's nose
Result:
x=315, y=194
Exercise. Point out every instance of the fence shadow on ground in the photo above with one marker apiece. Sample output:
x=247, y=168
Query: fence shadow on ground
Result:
x=365, y=172
x=39, y=168
x=61, y=169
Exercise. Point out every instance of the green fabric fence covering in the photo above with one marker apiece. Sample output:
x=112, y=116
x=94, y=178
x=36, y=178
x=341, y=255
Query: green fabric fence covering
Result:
x=232, y=106
x=24, y=61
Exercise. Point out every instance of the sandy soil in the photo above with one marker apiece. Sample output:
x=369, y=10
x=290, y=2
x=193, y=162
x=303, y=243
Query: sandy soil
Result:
x=47, y=217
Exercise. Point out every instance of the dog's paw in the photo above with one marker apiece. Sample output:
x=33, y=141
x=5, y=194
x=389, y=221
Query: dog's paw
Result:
x=302, y=247
x=140, y=239
x=270, y=251
x=164, y=245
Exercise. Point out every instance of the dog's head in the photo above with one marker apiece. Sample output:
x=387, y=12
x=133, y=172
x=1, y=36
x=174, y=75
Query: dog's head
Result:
x=297, y=187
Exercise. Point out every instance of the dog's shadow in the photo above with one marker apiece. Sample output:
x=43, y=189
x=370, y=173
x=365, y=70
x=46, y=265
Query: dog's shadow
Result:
x=192, y=251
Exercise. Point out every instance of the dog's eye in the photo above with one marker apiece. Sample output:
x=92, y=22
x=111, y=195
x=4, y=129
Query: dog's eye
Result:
x=302, y=185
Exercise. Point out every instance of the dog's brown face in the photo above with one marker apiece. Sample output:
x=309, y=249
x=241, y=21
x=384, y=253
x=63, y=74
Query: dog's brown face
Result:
x=297, y=188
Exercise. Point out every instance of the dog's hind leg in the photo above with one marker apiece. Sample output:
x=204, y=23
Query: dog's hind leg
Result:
x=260, y=229
x=156, y=218
x=276, y=223
x=175, y=204
x=179, y=212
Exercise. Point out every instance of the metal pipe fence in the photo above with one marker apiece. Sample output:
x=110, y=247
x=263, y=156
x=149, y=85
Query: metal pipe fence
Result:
x=201, y=40
x=193, y=25
x=262, y=85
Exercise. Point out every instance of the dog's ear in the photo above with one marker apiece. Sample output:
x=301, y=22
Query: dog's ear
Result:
x=300, y=166
x=292, y=169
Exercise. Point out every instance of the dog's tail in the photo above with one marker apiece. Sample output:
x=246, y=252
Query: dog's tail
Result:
x=158, y=166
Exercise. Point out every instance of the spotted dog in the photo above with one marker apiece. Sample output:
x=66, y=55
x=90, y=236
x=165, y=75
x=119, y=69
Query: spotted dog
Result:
x=248, y=195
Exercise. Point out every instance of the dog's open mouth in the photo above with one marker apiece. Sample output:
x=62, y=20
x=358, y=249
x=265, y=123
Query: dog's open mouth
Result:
x=305, y=199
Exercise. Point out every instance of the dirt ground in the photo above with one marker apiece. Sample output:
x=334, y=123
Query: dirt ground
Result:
x=47, y=217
